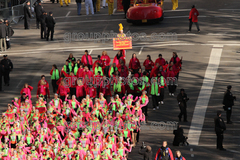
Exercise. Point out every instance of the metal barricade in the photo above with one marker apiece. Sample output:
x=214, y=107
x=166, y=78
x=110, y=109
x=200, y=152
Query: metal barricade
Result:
x=17, y=13
x=5, y=13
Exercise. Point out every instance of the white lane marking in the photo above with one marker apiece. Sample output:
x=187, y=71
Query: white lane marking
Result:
x=114, y=10
x=224, y=41
x=19, y=84
x=186, y=34
x=89, y=21
x=182, y=10
x=204, y=96
x=91, y=48
x=90, y=52
x=49, y=49
x=95, y=15
x=93, y=21
x=158, y=42
x=233, y=151
x=68, y=13
x=229, y=61
x=140, y=50
x=181, y=17
x=228, y=9
x=225, y=16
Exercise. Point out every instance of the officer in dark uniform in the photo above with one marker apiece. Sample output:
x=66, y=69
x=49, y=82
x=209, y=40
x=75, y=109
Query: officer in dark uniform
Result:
x=27, y=15
x=38, y=11
x=182, y=102
x=7, y=66
x=219, y=129
x=126, y=5
x=228, y=102
x=43, y=25
x=50, y=23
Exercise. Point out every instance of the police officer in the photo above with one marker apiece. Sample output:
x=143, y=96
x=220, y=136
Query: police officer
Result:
x=228, y=102
x=27, y=15
x=182, y=102
x=50, y=23
x=43, y=25
x=7, y=66
x=38, y=12
x=219, y=129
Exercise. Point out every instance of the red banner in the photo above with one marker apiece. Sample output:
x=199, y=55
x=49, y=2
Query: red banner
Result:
x=122, y=43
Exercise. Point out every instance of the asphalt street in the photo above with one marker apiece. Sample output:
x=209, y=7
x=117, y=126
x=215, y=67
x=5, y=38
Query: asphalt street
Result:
x=210, y=60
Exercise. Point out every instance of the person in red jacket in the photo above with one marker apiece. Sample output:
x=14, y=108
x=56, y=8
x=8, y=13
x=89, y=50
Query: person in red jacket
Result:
x=63, y=90
x=80, y=70
x=164, y=152
x=139, y=74
x=123, y=70
x=43, y=89
x=42, y=79
x=80, y=90
x=87, y=60
x=193, y=18
x=162, y=72
x=148, y=63
x=177, y=63
x=134, y=63
x=161, y=61
x=98, y=61
x=154, y=71
x=71, y=80
x=27, y=90
x=91, y=91
x=87, y=73
x=119, y=56
x=106, y=62
x=171, y=80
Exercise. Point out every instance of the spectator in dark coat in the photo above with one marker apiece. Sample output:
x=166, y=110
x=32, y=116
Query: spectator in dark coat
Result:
x=9, y=34
x=3, y=34
x=126, y=5
x=79, y=6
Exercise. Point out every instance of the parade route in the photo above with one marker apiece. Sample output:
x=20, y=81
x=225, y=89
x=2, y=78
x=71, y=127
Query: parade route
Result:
x=210, y=63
